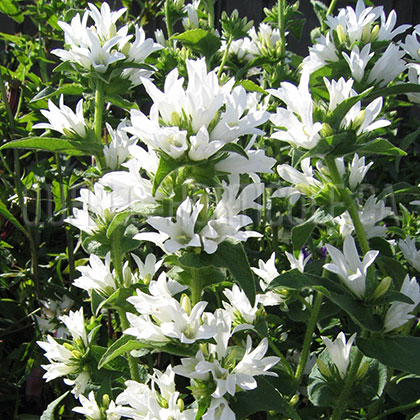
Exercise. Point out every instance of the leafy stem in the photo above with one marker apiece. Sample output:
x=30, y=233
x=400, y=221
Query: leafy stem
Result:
x=168, y=19
x=196, y=286
x=282, y=26
x=225, y=56
x=308, y=337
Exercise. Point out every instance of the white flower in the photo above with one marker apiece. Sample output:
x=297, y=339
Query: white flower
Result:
x=75, y=323
x=358, y=170
x=240, y=305
x=97, y=276
x=148, y=268
x=105, y=20
x=201, y=146
x=117, y=152
x=412, y=45
x=219, y=410
x=373, y=212
x=299, y=262
x=267, y=271
x=79, y=384
x=348, y=267
x=388, y=67
x=358, y=61
x=408, y=247
x=339, y=91
x=303, y=182
x=339, y=351
x=89, y=407
x=386, y=30
x=181, y=232
x=64, y=120
x=399, y=312
x=320, y=54
x=414, y=77
x=191, y=21
x=296, y=122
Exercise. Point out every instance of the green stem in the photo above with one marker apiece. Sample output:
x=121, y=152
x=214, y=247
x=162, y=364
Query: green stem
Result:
x=349, y=202
x=398, y=409
x=117, y=254
x=329, y=12
x=6, y=102
x=168, y=19
x=308, y=337
x=134, y=367
x=210, y=11
x=282, y=26
x=64, y=204
x=99, y=110
x=341, y=405
x=225, y=56
x=196, y=287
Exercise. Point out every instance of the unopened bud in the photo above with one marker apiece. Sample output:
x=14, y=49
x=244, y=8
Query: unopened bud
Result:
x=126, y=48
x=382, y=288
x=76, y=354
x=374, y=33
x=341, y=34
x=175, y=120
x=361, y=372
x=105, y=400
x=326, y=130
x=294, y=400
x=359, y=120
x=68, y=133
x=366, y=34
x=68, y=346
x=323, y=368
x=180, y=404
x=186, y=303
x=164, y=403
x=305, y=189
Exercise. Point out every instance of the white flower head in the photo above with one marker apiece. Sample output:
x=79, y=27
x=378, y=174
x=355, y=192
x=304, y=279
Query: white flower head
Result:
x=409, y=249
x=64, y=120
x=400, y=312
x=299, y=262
x=89, y=407
x=240, y=305
x=348, y=267
x=358, y=170
x=339, y=351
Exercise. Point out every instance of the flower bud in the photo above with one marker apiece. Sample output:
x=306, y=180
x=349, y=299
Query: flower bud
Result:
x=374, y=33
x=341, y=33
x=323, y=368
x=366, y=34
x=186, y=303
x=382, y=288
x=68, y=346
x=105, y=400
x=294, y=400
x=180, y=404
x=361, y=372
x=360, y=118
x=326, y=130
x=77, y=354
x=175, y=120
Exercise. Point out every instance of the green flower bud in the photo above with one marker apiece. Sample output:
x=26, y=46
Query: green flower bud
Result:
x=341, y=34
x=294, y=400
x=326, y=130
x=366, y=34
x=105, y=400
x=68, y=346
x=382, y=288
x=374, y=33
x=180, y=404
x=186, y=303
x=323, y=368
x=361, y=372
x=360, y=118
x=77, y=354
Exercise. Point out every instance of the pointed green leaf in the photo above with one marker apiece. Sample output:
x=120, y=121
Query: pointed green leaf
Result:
x=165, y=167
x=56, y=145
x=9, y=216
x=235, y=148
x=396, y=352
x=301, y=233
x=48, y=414
x=11, y=8
x=200, y=41
x=250, y=86
x=265, y=397
x=401, y=88
x=380, y=146
x=231, y=255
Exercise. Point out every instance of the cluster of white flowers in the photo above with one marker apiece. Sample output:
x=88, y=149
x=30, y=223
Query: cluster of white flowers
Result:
x=99, y=46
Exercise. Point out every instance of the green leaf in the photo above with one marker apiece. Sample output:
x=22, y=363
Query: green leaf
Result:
x=264, y=398
x=380, y=146
x=11, y=8
x=166, y=166
x=48, y=414
x=301, y=233
x=404, y=390
x=117, y=221
x=324, y=392
x=231, y=255
x=65, y=89
x=235, y=148
x=9, y=216
x=201, y=41
x=250, y=86
x=396, y=352
x=56, y=145
x=341, y=110
x=123, y=345
x=394, y=90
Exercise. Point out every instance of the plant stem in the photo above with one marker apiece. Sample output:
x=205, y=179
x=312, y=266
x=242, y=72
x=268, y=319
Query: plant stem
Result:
x=64, y=204
x=117, y=254
x=168, y=19
x=210, y=11
x=196, y=287
x=99, y=110
x=225, y=56
x=348, y=382
x=134, y=368
x=332, y=7
x=398, y=409
x=349, y=202
x=282, y=26
x=308, y=337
